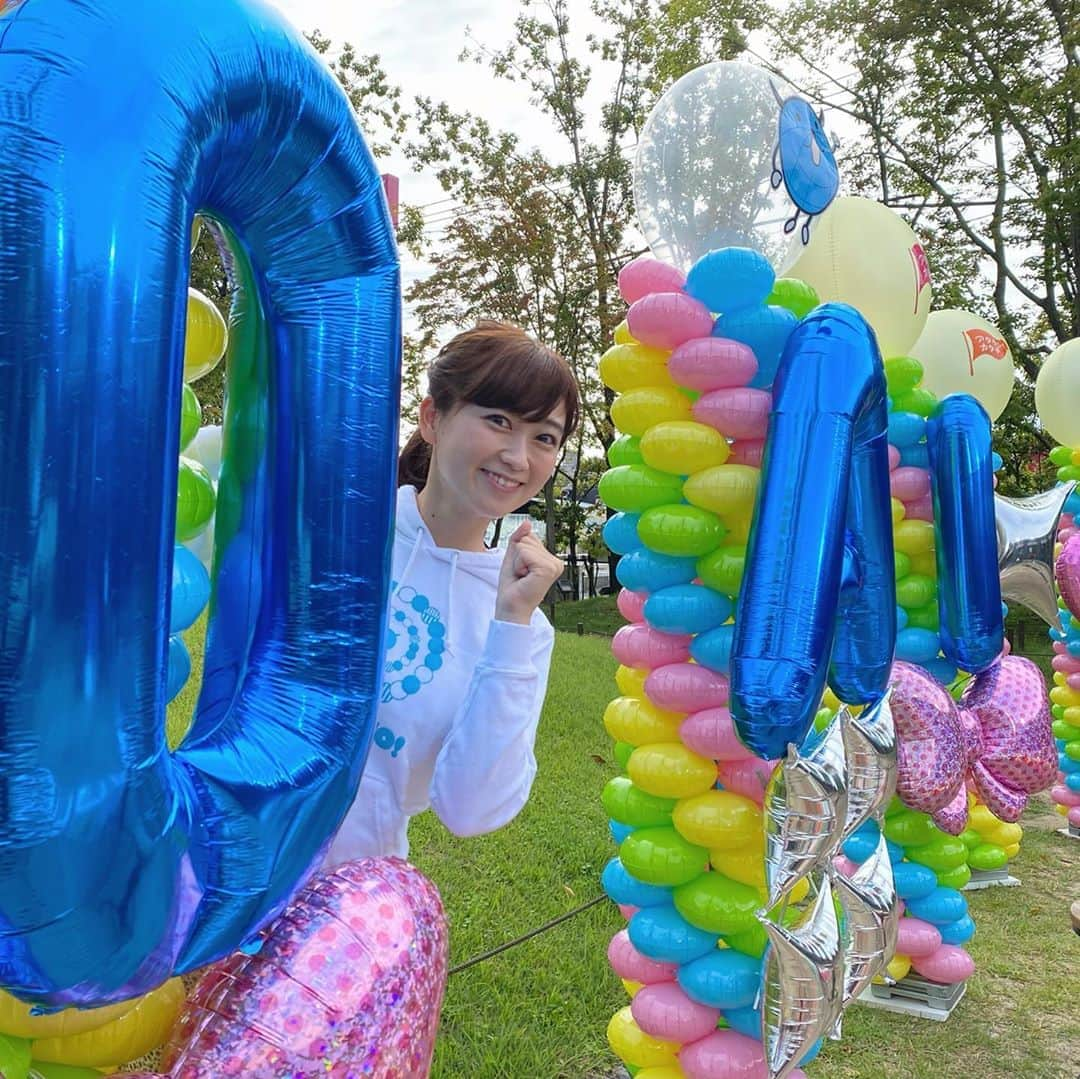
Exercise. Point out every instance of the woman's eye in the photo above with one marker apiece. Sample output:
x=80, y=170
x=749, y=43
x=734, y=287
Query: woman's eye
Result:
x=500, y=421
x=548, y=440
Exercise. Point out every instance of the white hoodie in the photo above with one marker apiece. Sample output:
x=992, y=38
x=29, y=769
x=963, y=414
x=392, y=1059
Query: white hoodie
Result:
x=460, y=701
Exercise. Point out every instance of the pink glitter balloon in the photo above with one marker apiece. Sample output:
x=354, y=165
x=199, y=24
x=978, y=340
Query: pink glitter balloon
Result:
x=1067, y=572
x=348, y=982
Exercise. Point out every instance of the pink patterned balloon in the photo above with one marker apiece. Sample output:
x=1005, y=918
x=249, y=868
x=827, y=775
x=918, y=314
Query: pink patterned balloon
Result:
x=999, y=737
x=349, y=981
x=1067, y=572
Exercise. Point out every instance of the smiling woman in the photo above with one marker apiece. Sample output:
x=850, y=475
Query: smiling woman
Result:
x=467, y=649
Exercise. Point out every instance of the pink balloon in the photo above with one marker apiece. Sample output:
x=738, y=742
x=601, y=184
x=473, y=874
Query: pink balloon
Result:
x=727, y=1054
x=647, y=274
x=629, y=963
x=922, y=509
x=1064, y=796
x=1074, y=817
x=665, y=1011
x=741, y=412
x=711, y=733
x=1059, y=648
x=1006, y=646
x=748, y=777
x=1066, y=664
x=712, y=363
x=666, y=320
x=1073, y=681
x=645, y=647
x=631, y=605
x=917, y=938
x=351, y=976
x=949, y=964
x=845, y=865
x=686, y=687
x=1066, y=534
x=908, y=483
x=747, y=451
x=894, y=458
x=1067, y=571
x=628, y=910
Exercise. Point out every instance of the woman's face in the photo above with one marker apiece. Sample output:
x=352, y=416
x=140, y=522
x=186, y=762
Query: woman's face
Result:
x=488, y=460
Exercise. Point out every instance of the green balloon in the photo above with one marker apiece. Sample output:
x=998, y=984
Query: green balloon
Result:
x=190, y=417
x=752, y=941
x=623, y=751
x=924, y=617
x=902, y=374
x=1072, y=751
x=988, y=856
x=195, y=499
x=941, y=853
x=1066, y=732
x=62, y=1071
x=718, y=904
x=797, y=296
x=954, y=878
x=902, y=562
x=686, y=531
x=921, y=402
x=625, y=450
x=1061, y=455
x=916, y=591
x=723, y=570
x=662, y=856
x=636, y=488
x=627, y=804
x=971, y=838
x=895, y=806
x=910, y=829
x=823, y=718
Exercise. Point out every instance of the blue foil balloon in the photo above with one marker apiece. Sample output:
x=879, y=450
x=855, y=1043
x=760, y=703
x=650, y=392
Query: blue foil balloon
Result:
x=824, y=487
x=121, y=863
x=965, y=533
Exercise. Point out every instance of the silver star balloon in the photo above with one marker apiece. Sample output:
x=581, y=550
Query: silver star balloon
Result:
x=1026, y=531
x=804, y=984
x=805, y=811
x=870, y=746
x=871, y=919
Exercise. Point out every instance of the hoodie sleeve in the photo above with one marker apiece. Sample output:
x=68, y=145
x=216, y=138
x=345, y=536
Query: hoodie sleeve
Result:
x=486, y=766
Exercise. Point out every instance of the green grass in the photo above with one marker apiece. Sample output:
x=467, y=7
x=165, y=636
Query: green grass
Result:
x=599, y=615
x=539, y=1010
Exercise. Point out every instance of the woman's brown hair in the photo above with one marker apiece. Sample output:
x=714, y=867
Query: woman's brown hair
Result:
x=494, y=365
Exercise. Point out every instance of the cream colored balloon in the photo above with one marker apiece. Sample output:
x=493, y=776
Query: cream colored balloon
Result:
x=1057, y=393
x=864, y=254
x=963, y=353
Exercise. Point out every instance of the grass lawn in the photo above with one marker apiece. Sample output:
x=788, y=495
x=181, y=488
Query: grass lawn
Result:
x=539, y=1010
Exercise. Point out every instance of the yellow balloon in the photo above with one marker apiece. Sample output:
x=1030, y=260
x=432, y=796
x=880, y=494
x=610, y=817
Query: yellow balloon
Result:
x=683, y=447
x=631, y=988
x=633, y=1046
x=623, y=336
x=631, y=680
x=718, y=820
x=746, y=865
x=629, y=367
x=726, y=490
x=664, y=1071
x=17, y=1022
x=899, y=967
x=1005, y=835
x=1066, y=697
x=924, y=564
x=1057, y=390
x=142, y=1028
x=196, y=231
x=914, y=537
x=981, y=820
x=899, y=511
x=1012, y=850
x=864, y=254
x=206, y=338
x=670, y=770
x=963, y=353
x=633, y=413
x=640, y=722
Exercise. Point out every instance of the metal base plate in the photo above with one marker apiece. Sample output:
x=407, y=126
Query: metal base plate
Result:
x=991, y=878
x=1069, y=831
x=916, y=996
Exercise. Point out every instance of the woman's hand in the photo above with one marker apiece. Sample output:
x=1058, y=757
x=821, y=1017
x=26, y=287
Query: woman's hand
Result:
x=528, y=571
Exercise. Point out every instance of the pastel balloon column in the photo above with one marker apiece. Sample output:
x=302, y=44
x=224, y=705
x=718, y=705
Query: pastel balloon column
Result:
x=692, y=409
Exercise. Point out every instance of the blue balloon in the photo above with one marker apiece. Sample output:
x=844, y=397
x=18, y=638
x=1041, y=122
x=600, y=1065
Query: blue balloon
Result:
x=1072, y=504
x=621, y=887
x=645, y=571
x=804, y=162
x=731, y=278
x=958, y=932
x=824, y=484
x=917, y=645
x=744, y=1021
x=915, y=456
x=663, y=934
x=724, y=979
x=687, y=608
x=179, y=668
x=765, y=330
x=1072, y=781
x=913, y=881
x=896, y=852
x=619, y=831
x=713, y=649
x=940, y=907
x=942, y=670
x=996, y=461
x=190, y=589
x=620, y=533
x=121, y=863
x=901, y=620
x=965, y=534
x=859, y=847
x=906, y=429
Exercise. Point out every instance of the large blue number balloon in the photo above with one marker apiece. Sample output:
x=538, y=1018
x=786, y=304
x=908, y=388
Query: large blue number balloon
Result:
x=119, y=119
x=965, y=533
x=818, y=593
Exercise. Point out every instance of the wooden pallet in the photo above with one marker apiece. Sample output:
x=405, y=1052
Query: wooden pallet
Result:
x=917, y=996
x=1070, y=831
x=991, y=878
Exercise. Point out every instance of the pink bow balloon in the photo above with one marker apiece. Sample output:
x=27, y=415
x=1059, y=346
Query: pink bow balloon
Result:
x=1067, y=572
x=998, y=737
x=349, y=981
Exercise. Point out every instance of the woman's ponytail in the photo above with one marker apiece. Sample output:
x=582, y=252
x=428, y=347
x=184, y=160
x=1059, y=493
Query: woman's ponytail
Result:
x=413, y=462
